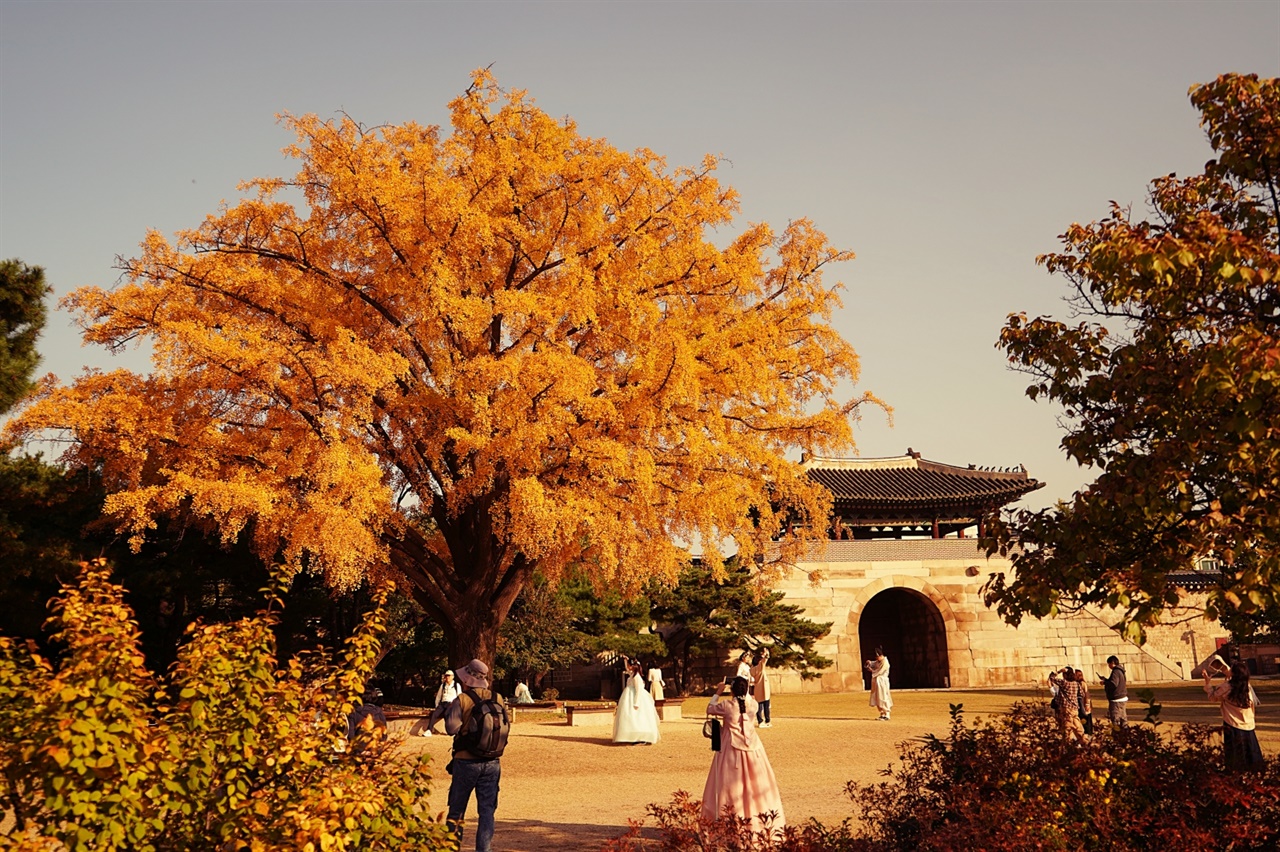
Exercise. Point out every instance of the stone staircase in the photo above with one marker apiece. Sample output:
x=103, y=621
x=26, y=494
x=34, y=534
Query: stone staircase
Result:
x=1151, y=664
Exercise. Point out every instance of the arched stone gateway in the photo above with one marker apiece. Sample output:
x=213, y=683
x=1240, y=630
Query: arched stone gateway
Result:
x=913, y=633
x=903, y=568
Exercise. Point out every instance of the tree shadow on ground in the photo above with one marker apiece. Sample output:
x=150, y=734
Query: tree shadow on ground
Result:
x=536, y=836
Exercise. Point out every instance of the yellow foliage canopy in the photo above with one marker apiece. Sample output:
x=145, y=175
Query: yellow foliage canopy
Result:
x=467, y=356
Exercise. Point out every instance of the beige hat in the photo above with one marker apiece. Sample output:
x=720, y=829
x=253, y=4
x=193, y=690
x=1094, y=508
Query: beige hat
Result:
x=474, y=674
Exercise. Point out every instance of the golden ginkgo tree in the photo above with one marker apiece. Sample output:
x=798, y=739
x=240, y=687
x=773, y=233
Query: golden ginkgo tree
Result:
x=467, y=356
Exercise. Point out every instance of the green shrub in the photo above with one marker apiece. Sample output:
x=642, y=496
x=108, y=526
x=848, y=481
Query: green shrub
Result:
x=229, y=750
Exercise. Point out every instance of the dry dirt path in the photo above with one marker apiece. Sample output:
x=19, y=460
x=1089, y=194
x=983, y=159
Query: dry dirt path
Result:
x=572, y=789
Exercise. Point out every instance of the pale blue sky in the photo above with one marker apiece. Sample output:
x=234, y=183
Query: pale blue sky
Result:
x=946, y=143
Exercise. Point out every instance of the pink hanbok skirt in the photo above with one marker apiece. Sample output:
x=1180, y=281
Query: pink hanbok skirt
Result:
x=743, y=782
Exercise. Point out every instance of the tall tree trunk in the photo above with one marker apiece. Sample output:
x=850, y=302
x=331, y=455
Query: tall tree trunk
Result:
x=469, y=603
x=472, y=635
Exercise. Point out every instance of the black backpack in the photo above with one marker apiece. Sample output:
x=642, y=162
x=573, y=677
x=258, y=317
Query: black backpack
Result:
x=485, y=727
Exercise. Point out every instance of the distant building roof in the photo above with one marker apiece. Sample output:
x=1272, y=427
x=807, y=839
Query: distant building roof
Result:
x=907, y=488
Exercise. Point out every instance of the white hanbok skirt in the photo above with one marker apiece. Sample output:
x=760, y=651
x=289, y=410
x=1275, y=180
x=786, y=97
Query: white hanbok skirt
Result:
x=636, y=718
x=880, y=696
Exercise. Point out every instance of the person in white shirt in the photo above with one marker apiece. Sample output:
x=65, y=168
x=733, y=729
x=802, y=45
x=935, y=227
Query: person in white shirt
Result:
x=448, y=690
x=744, y=667
x=656, y=684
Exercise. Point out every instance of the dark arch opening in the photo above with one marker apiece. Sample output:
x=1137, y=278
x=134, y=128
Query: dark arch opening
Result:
x=910, y=629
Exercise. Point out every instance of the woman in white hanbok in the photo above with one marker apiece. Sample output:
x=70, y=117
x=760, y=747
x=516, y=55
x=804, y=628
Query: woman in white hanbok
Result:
x=636, y=718
x=881, y=699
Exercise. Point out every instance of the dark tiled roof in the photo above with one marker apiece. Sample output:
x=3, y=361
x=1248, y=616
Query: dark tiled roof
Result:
x=900, y=550
x=1194, y=580
x=912, y=481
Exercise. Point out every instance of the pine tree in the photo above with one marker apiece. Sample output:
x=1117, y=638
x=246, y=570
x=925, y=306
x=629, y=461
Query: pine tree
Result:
x=710, y=617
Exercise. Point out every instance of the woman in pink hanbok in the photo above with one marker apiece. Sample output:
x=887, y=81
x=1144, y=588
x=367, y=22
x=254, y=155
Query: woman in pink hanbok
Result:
x=741, y=781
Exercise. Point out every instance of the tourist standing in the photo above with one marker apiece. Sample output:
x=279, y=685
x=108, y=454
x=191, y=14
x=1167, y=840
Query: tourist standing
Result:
x=635, y=719
x=1236, y=699
x=741, y=781
x=446, y=694
x=760, y=687
x=1086, y=705
x=1116, y=687
x=472, y=771
x=1067, y=706
x=656, y=683
x=880, y=697
x=744, y=667
x=1054, y=682
x=448, y=689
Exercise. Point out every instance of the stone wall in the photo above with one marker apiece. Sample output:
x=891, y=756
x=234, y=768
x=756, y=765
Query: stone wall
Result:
x=980, y=648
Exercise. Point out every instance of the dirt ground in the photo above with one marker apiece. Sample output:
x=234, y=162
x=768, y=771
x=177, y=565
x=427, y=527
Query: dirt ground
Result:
x=569, y=788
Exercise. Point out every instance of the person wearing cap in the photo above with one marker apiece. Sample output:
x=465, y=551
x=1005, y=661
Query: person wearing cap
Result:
x=445, y=695
x=448, y=689
x=469, y=772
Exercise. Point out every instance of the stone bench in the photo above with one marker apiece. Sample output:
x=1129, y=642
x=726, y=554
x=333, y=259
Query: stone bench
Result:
x=519, y=709
x=670, y=709
x=412, y=723
x=536, y=705
x=589, y=715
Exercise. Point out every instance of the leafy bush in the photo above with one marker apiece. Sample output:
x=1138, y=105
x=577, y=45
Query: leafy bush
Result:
x=682, y=828
x=1011, y=783
x=229, y=750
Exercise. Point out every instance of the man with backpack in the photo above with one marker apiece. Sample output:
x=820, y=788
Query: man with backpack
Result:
x=480, y=724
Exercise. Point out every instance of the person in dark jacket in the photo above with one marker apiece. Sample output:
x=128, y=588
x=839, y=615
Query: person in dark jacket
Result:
x=471, y=773
x=1116, y=687
x=366, y=724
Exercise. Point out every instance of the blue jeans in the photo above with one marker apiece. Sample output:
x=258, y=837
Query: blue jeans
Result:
x=762, y=713
x=481, y=776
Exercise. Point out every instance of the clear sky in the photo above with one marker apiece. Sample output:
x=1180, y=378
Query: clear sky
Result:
x=946, y=143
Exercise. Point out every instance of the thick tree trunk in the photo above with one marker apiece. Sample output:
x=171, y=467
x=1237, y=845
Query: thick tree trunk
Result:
x=469, y=603
x=472, y=635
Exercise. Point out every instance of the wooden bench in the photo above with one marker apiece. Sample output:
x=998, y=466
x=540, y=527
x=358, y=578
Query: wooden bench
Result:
x=407, y=722
x=670, y=709
x=589, y=715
